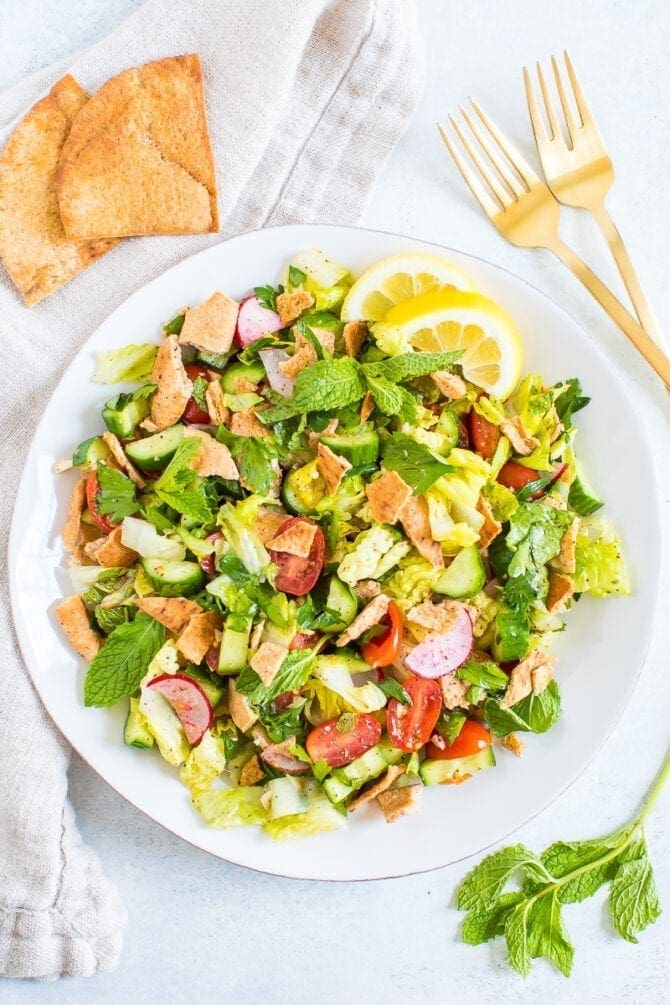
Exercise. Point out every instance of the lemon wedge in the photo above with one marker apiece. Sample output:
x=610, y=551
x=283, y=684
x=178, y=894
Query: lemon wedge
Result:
x=456, y=319
x=396, y=279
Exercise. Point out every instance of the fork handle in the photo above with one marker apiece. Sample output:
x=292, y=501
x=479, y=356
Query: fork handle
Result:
x=637, y=295
x=654, y=356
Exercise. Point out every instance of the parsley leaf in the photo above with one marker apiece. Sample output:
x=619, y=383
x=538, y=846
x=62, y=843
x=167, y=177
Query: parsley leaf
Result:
x=450, y=724
x=200, y=385
x=121, y=663
x=117, y=497
x=253, y=456
x=570, y=400
x=267, y=296
x=323, y=386
x=249, y=589
x=534, y=714
x=411, y=364
x=291, y=676
x=296, y=277
x=418, y=466
x=182, y=488
x=392, y=689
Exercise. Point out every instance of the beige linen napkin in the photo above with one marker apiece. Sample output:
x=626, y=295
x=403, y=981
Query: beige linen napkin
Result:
x=306, y=99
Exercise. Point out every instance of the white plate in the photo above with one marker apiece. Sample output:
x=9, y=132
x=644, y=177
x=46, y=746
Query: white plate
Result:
x=599, y=657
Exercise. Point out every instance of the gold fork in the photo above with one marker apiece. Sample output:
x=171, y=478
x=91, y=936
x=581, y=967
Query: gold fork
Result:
x=524, y=211
x=579, y=172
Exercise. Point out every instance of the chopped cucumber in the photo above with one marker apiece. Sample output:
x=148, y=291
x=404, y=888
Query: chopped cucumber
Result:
x=214, y=690
x=154, y=452
x=303, y=489
x=358, y=446
x=342, y=660
x=448, y=427
x=581, y=498
x=336, y=790
x=392, y=754
x=88, y=453
x=235, y=643
x=253, y=372
x=465, y=577
x=123, y=413
x=436, y=772
x=362, y=769
x=174, y=579
x=136, y=732
x=341, y=598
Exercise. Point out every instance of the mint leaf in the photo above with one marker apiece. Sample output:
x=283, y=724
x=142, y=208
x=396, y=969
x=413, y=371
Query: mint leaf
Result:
x=411, y=364
x=392, y=689
x=485, y=675
x=517, y=937
x=480, y=927
x=292, y=675
x=117, y=497
x=175, y=326
x=450, y=724
x=535, y=714
x=418, y=466
x=182, y=488
x=547, y=935
x=246, y=588
x=633, y=901
x=484, y=884
x=121, y=663
x=565, y=857
x=393, y=400
x=200, y=385
x=570, y=400
x=321, y=387
x=534, y=535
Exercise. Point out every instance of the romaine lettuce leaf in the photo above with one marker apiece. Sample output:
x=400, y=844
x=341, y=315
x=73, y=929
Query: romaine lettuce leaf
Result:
x=231, y=807
x=601, y=570
x=130, y=363
x=204, y=764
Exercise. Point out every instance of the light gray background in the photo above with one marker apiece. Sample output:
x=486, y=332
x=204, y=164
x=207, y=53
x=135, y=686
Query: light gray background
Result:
x=201, y=929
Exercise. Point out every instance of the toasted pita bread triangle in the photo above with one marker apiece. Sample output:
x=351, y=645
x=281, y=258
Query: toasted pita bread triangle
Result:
x=138, y=158
x=33, y=246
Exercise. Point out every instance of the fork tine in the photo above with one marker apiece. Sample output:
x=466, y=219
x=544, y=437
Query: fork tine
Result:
x=557, y=135
x=489, y=176
x=498, y=162
x=539, y=127
x=490, y=207
x=567, y=109
x=582, y=104
x=518, y=162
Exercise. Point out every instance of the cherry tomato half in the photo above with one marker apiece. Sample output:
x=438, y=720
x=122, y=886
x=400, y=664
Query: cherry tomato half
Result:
x=328, y=743
x=208, y=563
x=297, y=575
x=410, y=726
x=484, y=435
x=472, y=738
x=193, y=413
x=92, y=491
x=383, y=649
x=514, y=475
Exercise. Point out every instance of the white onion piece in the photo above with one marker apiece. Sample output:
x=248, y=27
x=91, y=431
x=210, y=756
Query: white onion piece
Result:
x=278, y=381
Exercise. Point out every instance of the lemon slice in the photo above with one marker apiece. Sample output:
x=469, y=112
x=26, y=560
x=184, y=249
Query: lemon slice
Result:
x=453, y=319
x=396, y=279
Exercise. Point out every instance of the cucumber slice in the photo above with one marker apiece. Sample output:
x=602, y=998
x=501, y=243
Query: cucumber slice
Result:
x=122, y=414
x=174, y=579
x=89, y=452
x=155, y=452
x=362, y=769
x=581, y=498
x=303, y=489
x=234, y=644
x=359, y=446
x=456, y=769
x=336, y=790
x=136, y=732
x=341, y=598
x=448, y=427
x=212, y=689
x=465, y=577
x=253, y=372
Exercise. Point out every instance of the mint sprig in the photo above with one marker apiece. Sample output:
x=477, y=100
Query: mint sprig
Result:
x=530, y=918
x=121, y=663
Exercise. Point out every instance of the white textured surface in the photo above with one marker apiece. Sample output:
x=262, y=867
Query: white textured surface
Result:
x=199, y=928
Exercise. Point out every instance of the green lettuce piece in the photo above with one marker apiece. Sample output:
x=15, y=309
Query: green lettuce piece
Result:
x=365, y=698
x=131, y=363
x=237, y=521
x=320, y=816
x=600, y=568
x=231, y=807
x=391, y=339
x=322, y=703
x=454, y=497
x=204, y=764
x=413, y=581
x=502, y=501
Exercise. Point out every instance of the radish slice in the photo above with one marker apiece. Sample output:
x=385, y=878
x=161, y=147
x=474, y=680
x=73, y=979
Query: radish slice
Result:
x=277, y=379
x=189, y=702
x=278, y=756
x=440, y=654
x=254, y=321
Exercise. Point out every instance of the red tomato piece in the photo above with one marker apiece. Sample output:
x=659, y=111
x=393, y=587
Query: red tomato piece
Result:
x=463, y=435
x=381, y=650
x=410, y=726
x=472, y=738
x=193, y=413
x=514, y=475
x=92, y=491
x=297, y=575
x=208, y=563
x=283, y=700
x=327, y=743
x=484, y=435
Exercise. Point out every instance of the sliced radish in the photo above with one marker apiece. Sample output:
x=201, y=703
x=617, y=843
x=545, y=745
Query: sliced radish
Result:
x=439, y=654
x=189, y=702
x=278, y=756
x=254, y=321
x=277, y=379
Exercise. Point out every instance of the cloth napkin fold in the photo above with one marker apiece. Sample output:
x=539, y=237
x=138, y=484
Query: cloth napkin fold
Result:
x=305, y=99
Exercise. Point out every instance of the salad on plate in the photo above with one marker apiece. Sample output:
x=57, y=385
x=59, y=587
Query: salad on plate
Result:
x=322, y=541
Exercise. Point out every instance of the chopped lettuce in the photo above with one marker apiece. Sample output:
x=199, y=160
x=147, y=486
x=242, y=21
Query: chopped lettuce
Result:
x=237, y=522
x=284, y=797
x=412, y=582
x=231, y=807
x=320, y=816
x=502, y=501
x=143, y=538
x=391, y=339
x=601, y=570
x=366, y=698
x=130, y=363
x=363, y=558
x=204, y=764
x=322, y=703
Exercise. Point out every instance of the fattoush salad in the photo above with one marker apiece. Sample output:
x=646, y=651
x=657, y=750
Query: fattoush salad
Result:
x=322, y=541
